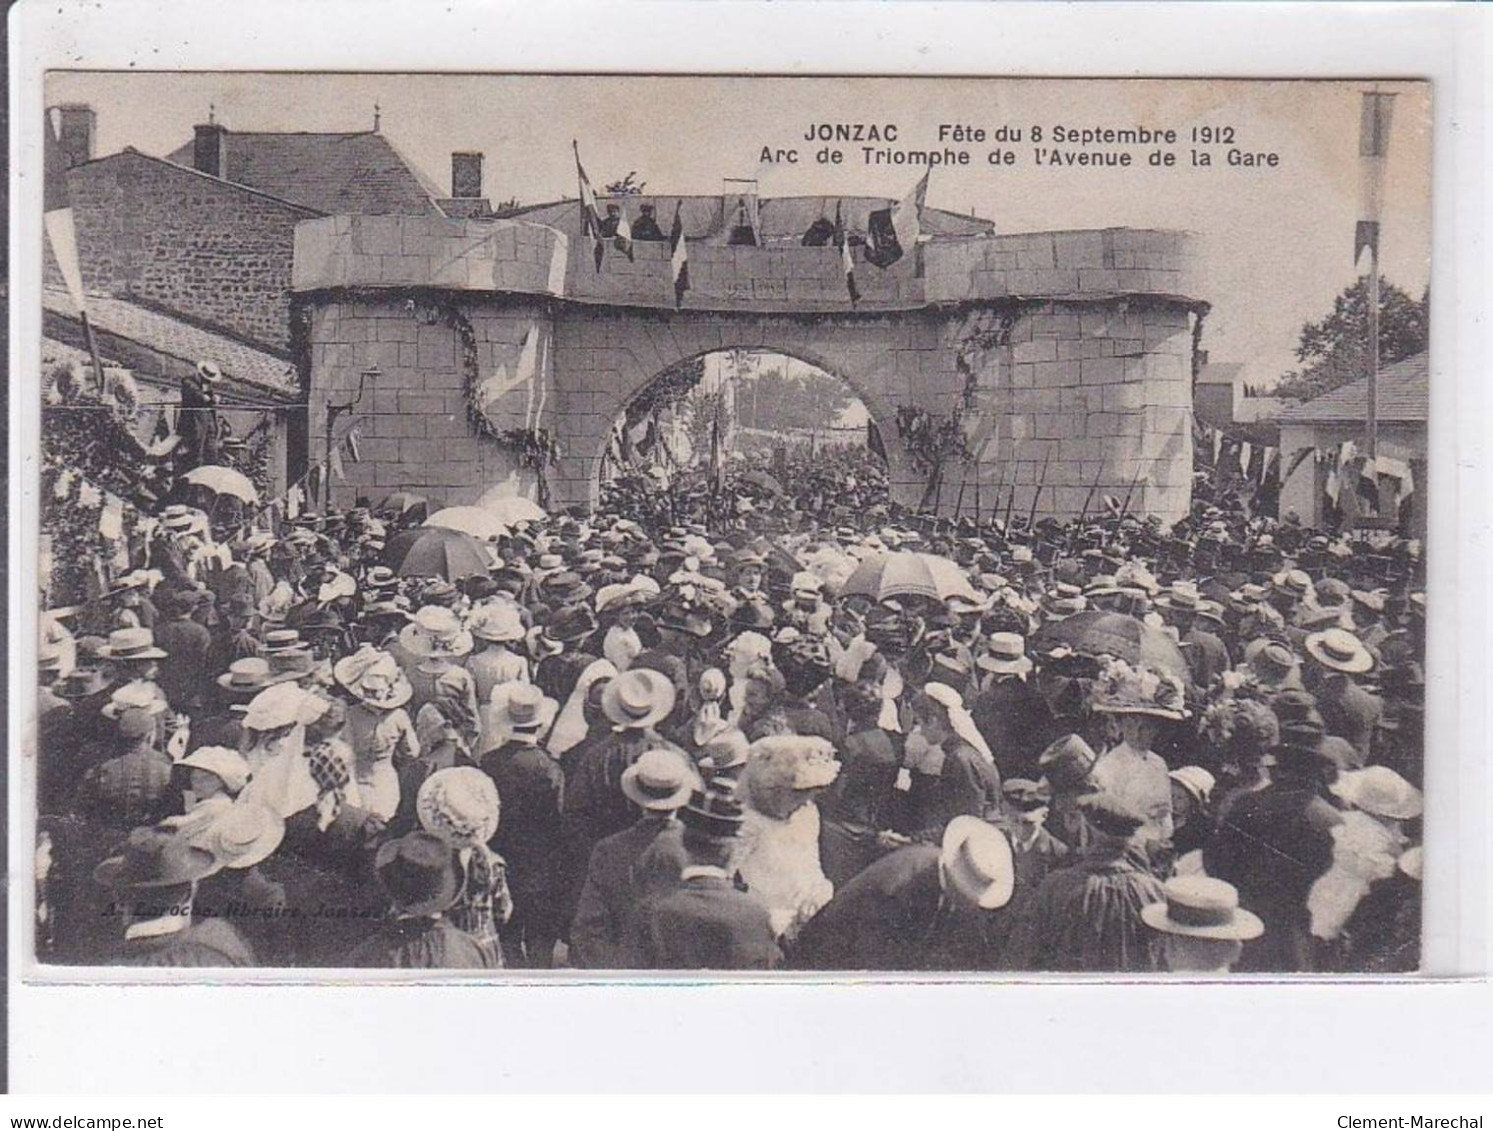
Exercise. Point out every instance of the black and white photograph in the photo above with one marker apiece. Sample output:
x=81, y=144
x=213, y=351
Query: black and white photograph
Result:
x=566, y=526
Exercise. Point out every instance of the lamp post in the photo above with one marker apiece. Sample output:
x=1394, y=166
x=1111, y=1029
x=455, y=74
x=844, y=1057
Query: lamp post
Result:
x=333, y=412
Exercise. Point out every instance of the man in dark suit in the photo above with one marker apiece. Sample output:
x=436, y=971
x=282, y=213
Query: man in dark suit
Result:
x=532, y=788
x=185, y=670
x=922, y=907
x=659, y=783
x=705, y=922
x=1347, y=710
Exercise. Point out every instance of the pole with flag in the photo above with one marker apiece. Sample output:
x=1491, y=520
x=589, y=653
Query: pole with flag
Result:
x=679, y=255
x=1373, y=149
x=590, y=217
x=891, y=232
x=57, y=218
x=847, y=260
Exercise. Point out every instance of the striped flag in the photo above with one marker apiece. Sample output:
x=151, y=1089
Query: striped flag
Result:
x=57, y=212
x=679, y=255
x=1373, y=149
x=846, y=258
x=590, y=217
x=622, y=241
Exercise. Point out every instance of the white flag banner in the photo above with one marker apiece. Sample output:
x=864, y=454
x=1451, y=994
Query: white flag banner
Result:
x=559, y=261
x=1245, y=452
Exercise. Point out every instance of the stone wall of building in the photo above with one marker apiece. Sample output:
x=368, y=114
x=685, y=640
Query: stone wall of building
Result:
x=161, y=234
x=1069, y=354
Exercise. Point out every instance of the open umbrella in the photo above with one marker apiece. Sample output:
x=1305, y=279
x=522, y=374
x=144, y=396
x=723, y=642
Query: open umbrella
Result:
x=224, y=481
x=402, y=502
x=475, y=521
x=1098, y=632
x=444, y=553
x=509, y=509
x=901, y=574
x=763, y=480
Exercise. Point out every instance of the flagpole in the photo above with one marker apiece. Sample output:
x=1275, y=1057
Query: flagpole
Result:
x=1373, y=406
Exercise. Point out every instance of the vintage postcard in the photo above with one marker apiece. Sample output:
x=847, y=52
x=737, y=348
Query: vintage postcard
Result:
x=503, y=524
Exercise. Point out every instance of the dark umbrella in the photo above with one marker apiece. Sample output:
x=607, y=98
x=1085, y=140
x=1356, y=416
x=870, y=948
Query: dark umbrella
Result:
x=444, y=553
x=763, y=480
x=402, y=502
x=1098, y=632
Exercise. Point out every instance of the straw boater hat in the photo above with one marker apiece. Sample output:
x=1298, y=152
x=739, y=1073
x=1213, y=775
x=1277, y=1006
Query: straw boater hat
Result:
x=1380, y=792
x=1201, y=907
x=226, y=764
x=210, y=372
x=249, y=676
x=132, y=644
x=1183, y=597
x=374, y=678
x=1196, y=781
x=660, y=781
x=1340, y=650
x=420, y=873
x=244, y=834
x=498, y=622
x=1005, y=653
x=154, y=858
x=1296, y=582
x=460, y=805
x=638, y=698
x=435, y=631
x=975, y=858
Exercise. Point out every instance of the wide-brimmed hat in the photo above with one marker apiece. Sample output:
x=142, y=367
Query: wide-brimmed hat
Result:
x=459, y=804
x=154, y=858
x=133, y=644
x=251, y=674
x=435, y=631
x=638, y=698
x=373, y=677
x=420, y=872
x=210, y=372
x=975, y=858
x=1183, y=596
x=715, y=812
x=1122, y=689
x=1005, y=653
x=137, y=695
x=571, y=624
x=1340, y=650
x=1380, y=792
x=282, y=705
x=517, y=706
x=498, y=622
x=1201, y=907
x=227, y=764
x=244, y=834
x=660, y=781
x=1066, y=761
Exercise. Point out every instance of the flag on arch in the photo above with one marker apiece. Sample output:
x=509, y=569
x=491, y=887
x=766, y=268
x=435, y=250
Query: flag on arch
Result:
x=847, y=260
x=890, y=232
x=679, y=255
x=590, y=217
x=622, y=239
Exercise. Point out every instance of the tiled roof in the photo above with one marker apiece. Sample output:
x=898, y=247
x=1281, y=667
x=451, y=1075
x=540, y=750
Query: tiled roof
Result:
x=175, y=338
x=1404, y=396
x=332, y=173
x=782, y=219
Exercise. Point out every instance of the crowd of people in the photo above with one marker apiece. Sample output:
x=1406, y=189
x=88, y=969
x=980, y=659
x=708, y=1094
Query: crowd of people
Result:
x=739, y=726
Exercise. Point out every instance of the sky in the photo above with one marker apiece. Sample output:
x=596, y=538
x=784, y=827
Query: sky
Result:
x=1277, y=241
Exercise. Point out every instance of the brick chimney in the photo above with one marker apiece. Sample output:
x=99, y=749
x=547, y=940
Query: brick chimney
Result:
x=76, y=123
x=466, y=175
x=210, y=149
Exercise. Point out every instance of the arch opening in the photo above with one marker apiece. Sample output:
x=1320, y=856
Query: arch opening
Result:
x=745, y=421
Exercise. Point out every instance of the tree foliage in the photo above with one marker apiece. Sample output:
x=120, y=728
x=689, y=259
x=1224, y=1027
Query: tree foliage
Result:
x=629, y=185
x=1335, y=350
x=778, y=400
